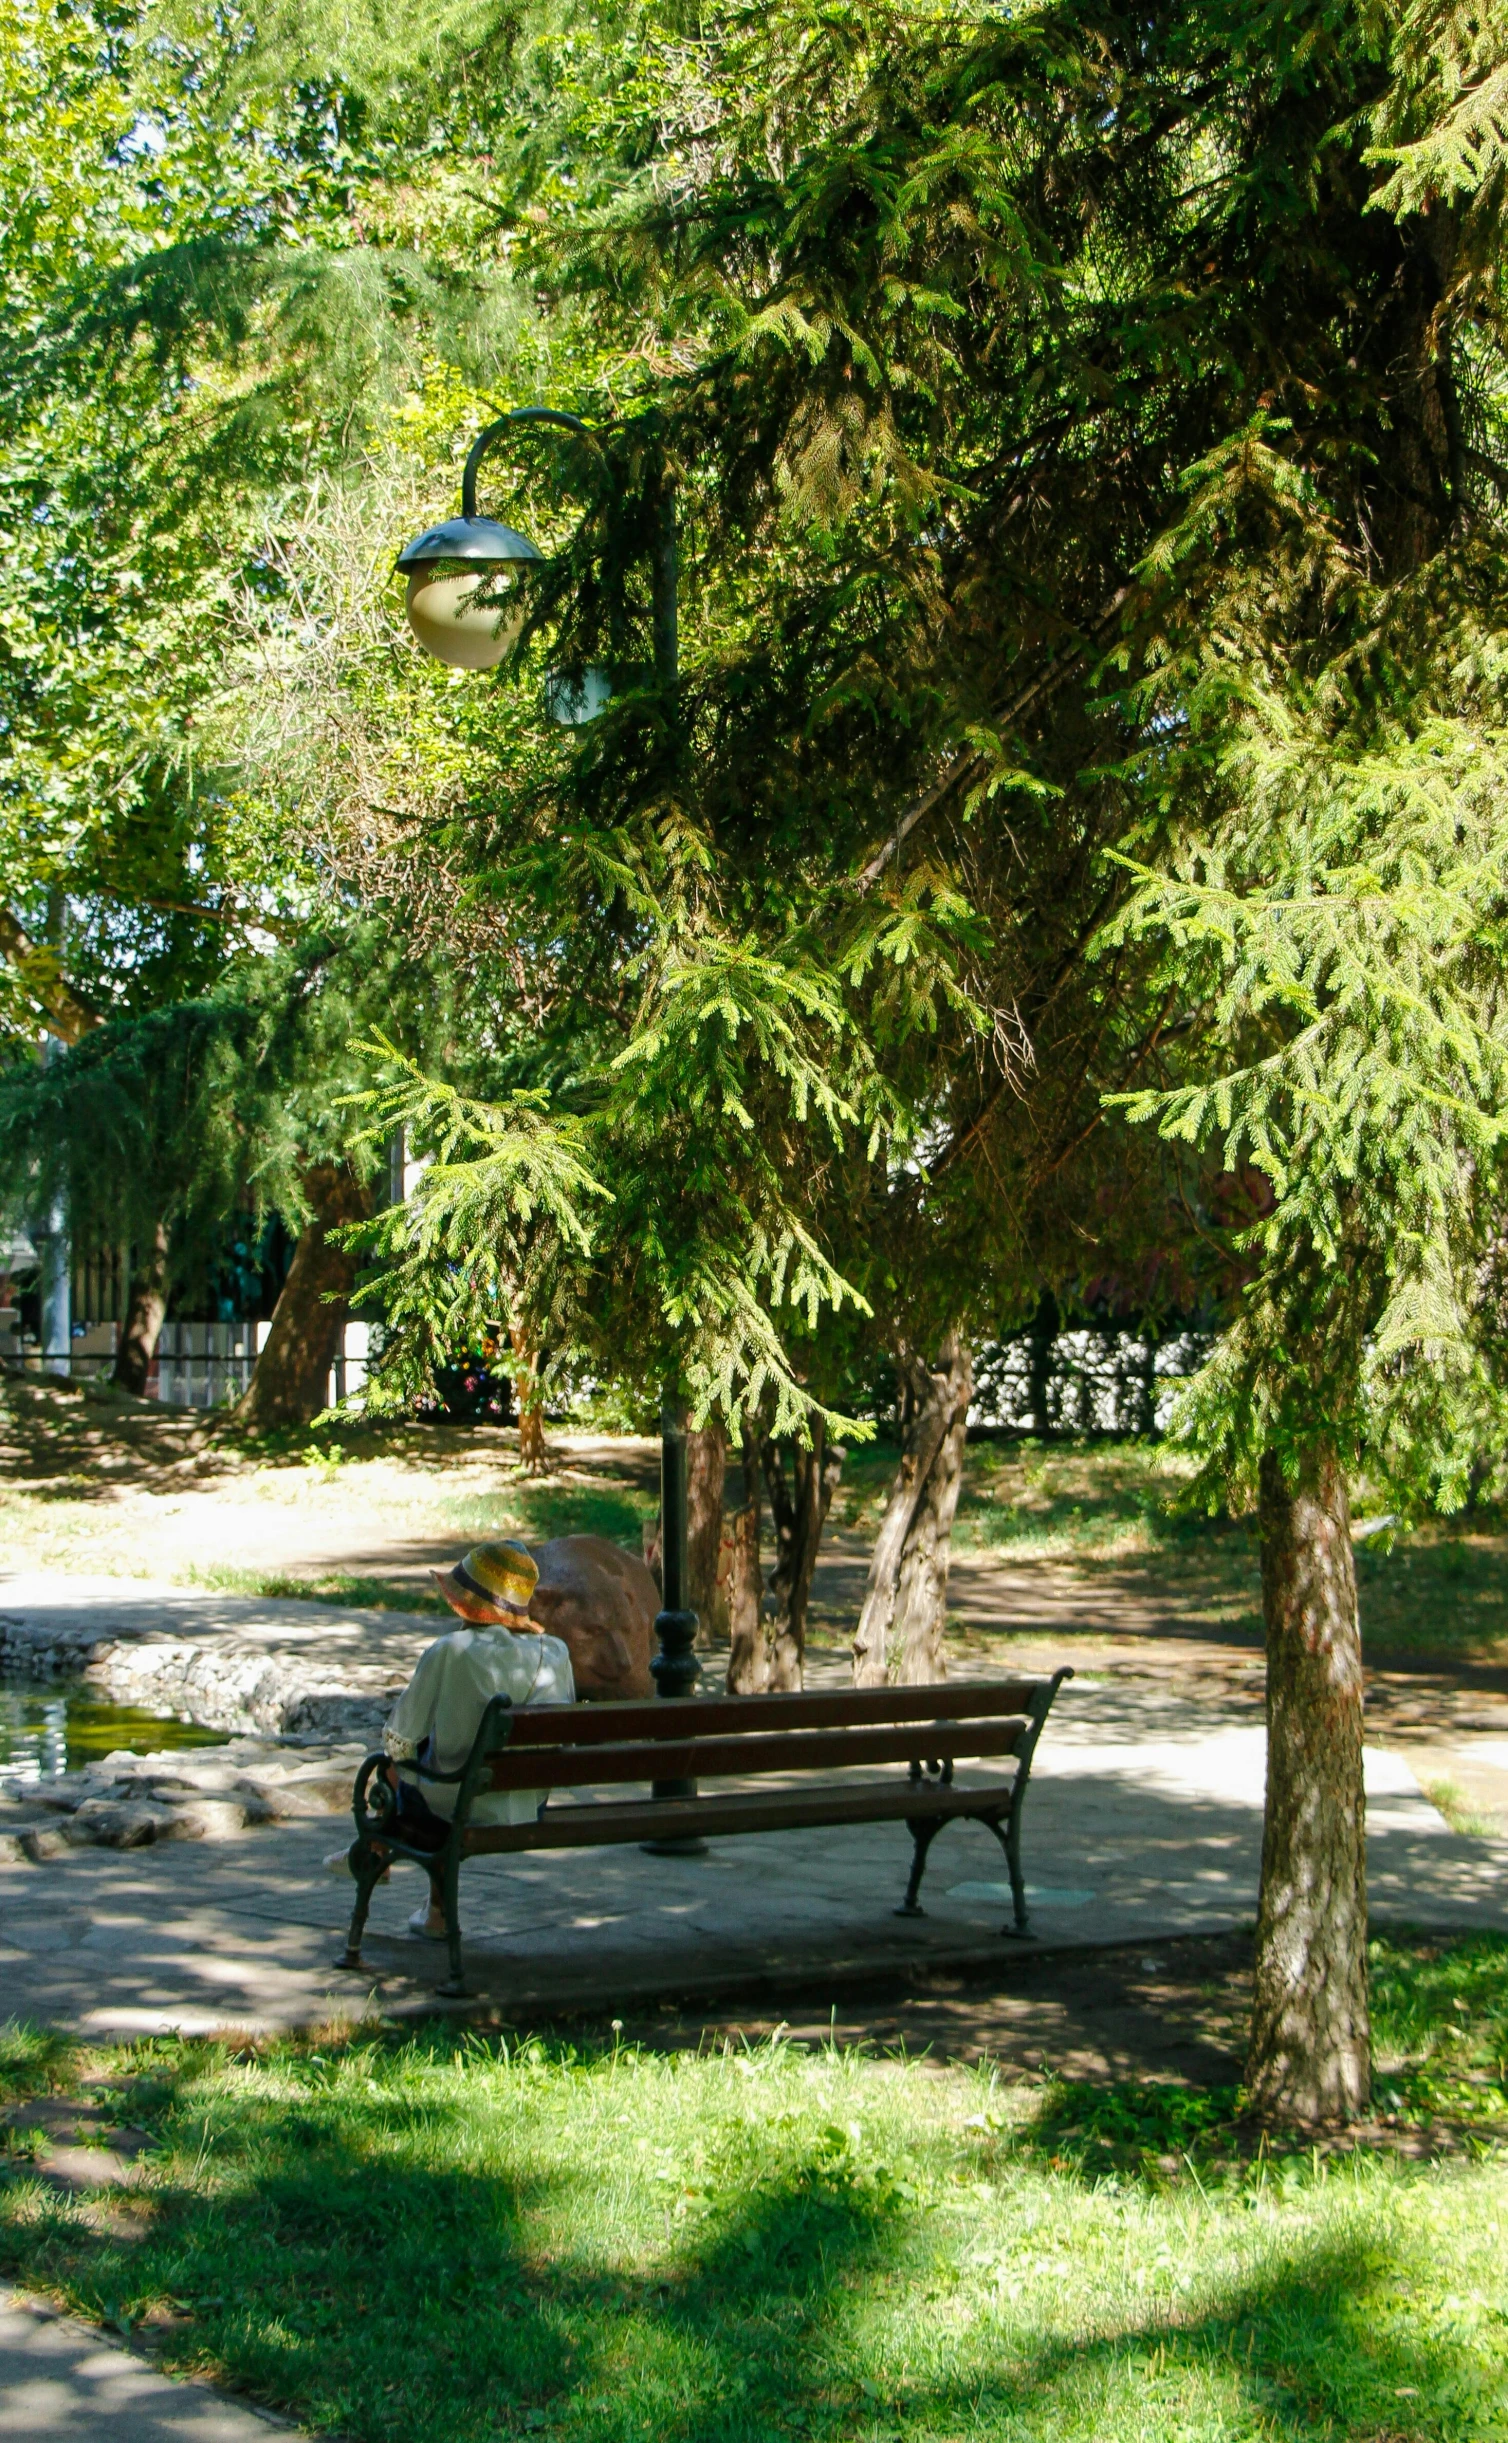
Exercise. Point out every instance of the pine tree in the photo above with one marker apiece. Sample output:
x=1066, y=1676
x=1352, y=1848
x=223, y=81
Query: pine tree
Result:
x=1141, y=382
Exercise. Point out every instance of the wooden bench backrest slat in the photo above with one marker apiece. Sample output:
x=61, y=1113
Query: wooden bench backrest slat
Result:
x=779, y=1752
x=812, y=1709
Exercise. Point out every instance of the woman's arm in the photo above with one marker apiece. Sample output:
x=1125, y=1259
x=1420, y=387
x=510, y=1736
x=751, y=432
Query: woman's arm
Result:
x=413, y=1717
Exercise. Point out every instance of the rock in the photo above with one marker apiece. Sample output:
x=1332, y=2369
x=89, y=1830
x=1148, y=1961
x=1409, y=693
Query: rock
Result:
x=61, y=1795
x=41, y=1845
x=118, y=1823
x=316, y=1793
x=601, y=1601
x=329, y=1715
x=12, y=1848
x=206, y=1819
x=221, y=1661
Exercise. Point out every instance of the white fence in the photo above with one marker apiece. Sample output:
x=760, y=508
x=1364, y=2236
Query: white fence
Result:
x=1076, y=1382
x=202, y=1365
x=1087, y=1382
x=198, y=1365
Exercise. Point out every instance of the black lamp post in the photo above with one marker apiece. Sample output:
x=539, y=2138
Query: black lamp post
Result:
x=467, y=602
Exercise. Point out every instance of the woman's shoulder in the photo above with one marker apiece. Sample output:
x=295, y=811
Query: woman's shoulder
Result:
x=449, y=1642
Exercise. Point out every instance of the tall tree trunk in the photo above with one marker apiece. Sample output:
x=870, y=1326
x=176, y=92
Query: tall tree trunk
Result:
x=799, y=1514
x=292, y=1375
x=1310, y=2057
x=748, y=1647
x=533, y=1456
x=706, y=1465
x=146, y=1304
x=906, y=1601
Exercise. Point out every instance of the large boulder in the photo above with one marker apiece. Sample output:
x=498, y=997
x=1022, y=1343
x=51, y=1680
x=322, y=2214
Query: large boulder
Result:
x=602, y=1602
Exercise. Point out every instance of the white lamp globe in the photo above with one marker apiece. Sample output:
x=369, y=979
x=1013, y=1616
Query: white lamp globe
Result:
x=466, y=597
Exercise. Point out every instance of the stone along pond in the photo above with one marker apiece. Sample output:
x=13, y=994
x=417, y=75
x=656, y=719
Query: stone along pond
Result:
x=79, y=1770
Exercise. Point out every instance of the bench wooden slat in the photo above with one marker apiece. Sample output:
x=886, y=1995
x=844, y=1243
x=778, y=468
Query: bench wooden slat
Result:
x=777, y=1752
x=811, y=1709
x=734, y=1811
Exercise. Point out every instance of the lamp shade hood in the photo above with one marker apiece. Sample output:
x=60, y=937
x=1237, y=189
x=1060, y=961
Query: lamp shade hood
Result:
x=467, y=538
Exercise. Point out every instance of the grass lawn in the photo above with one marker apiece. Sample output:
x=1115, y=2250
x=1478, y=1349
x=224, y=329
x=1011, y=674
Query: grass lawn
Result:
x=447, y=2238
x=100, y=1486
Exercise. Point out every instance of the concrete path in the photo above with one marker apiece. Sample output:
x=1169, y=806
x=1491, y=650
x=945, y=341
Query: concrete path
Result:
x=1144, y=1820
x=62, y=2383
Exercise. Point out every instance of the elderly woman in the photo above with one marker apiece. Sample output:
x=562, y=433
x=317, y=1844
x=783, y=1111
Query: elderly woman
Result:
x=499, y=1653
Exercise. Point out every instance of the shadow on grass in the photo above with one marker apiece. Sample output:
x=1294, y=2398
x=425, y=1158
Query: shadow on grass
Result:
x=540, y=1510
x=386, y=2260
x=330, y=2259
x=1318, y=2343
x=333, y=2267
x=339, y=1587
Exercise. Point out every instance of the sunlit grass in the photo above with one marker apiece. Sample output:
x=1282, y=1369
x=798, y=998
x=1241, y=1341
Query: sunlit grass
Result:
x=316, y=1586
x=452, y=2238
x=541, y=1509
x=1114, y=1512
x=1459, y=1808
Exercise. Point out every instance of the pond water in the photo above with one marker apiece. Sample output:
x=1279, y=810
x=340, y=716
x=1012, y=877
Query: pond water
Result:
x=54, y=1726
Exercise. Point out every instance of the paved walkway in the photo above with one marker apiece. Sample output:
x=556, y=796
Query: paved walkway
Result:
x=1144, y=1820
x=62, y=2383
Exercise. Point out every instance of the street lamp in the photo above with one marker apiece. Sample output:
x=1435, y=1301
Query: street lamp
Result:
x=467, y=596
x=467, y=602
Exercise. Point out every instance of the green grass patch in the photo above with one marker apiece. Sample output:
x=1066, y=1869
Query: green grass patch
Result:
x=1071, y=1500
x=449, y=2238
x=324, y=1586
x=1440, y=2029
x=1460, y=1809
x=1115, y=1512
x=539, y=1510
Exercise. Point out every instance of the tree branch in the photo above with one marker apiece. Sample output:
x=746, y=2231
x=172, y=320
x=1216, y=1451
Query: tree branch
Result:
x=69, y=1017
x=971, y=759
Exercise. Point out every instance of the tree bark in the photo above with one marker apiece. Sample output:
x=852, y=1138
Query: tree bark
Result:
x=533, y=1456
x=1310, y=2057
x=748, y=1648
x=292, y=1375
x=146, y=1305
x=706, y=1466
x=906, y=1600
x=799, y=1512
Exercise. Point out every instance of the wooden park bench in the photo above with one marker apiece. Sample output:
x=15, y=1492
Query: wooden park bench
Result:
x=806, y=1752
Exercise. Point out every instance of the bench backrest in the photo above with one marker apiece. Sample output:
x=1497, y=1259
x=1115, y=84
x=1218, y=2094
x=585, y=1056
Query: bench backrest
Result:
x=542, y=1747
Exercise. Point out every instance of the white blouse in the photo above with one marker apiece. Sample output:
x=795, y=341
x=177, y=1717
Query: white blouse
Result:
x=453, y=1682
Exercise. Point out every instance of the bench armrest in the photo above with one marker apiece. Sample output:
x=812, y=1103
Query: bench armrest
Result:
x=374, y=1801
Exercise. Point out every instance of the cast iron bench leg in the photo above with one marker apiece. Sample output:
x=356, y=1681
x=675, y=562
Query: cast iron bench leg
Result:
x=454, y=1987
x=368, y=1872
x=924, y=1830
x=1009, y=1837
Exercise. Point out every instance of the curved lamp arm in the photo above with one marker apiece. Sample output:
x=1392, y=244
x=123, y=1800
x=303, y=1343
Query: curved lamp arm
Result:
x=494, y=432
x=665, y=555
